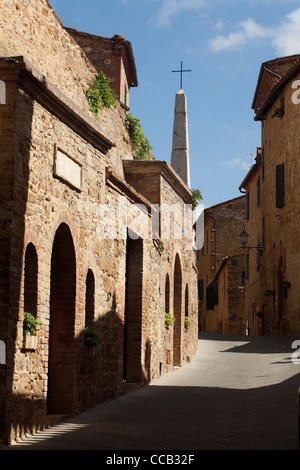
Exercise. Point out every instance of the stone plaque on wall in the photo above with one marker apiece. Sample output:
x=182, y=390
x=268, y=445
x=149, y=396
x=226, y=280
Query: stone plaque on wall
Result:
x=67, y=169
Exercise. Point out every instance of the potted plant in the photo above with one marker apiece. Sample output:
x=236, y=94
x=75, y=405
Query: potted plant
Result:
x=29, y=331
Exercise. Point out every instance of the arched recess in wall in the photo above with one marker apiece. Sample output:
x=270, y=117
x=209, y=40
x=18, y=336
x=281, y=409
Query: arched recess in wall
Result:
x=2, y=92
x=177, y=305
x=62, y=321
x=30, y=280
x=89, y=299
x=167, y=294
x=186, y=301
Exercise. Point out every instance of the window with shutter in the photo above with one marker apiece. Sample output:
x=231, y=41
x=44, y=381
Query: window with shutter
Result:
x=280, y=185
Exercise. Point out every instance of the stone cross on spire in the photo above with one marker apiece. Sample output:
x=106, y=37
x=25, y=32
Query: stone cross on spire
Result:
x=180, y=159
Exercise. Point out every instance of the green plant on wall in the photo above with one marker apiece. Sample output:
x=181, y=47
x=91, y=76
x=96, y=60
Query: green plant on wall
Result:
x=29, y=324
x=140, y=142
x=187, y=322
x=100, y=94
x=159, y=246
x=169, y=319
x=90, y=337
x=197, y=197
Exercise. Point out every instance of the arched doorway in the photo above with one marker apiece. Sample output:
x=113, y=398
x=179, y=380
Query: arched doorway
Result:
x=62, y=319
x=177, y=301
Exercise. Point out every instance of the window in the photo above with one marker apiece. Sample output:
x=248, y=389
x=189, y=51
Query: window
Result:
x=212, y=296
x=263, y=231
x=280, y=186
x=209, y=298
x=263, y=163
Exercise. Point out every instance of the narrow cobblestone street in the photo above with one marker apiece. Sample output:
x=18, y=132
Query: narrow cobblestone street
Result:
x=238, y=393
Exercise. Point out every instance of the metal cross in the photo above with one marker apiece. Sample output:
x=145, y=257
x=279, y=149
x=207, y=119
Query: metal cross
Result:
x=181, y=72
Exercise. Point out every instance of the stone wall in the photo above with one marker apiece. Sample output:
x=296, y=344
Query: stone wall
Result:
x=223, y=224
x=158, y=182
x=273, y=291
x=29, y=26
x=68, y=201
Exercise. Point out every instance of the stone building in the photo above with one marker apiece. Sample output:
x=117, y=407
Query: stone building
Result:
x=272, y=302
x=225, y=299
x=82, y=233
x=221, y=268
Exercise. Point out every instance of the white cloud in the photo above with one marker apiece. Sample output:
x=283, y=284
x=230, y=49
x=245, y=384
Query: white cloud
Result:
x=248, y=31
x=171, y=8
x=285, y=37
x=238, y=163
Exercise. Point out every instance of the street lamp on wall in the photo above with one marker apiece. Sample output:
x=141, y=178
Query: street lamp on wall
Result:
x=244, y=240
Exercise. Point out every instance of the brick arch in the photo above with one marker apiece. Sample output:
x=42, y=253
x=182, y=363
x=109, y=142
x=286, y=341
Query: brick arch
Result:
x=30, y=269
x=63, y=295
x=30, y=289
x=186, y=299
x=167, y=292
x=89, y=280
x=65, y=217
x=177, y=310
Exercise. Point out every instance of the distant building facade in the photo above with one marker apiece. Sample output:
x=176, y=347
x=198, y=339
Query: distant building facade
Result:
x=221, y=268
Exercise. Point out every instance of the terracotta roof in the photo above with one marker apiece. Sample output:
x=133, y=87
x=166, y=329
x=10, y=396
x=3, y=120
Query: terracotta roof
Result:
x=273, y=76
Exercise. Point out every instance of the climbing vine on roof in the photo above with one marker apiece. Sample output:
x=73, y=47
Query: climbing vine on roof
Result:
x=140, y=142
x=100, y=94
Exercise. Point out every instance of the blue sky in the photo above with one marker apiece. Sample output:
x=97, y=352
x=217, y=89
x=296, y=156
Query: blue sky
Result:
x=224, y=43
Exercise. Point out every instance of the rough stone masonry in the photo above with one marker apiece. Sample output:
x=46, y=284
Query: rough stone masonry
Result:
x=60, y=166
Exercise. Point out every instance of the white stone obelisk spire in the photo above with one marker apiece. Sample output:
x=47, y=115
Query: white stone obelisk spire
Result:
x=180, y=159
